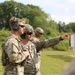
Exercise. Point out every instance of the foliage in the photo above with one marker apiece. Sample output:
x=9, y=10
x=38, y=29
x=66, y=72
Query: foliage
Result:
x=70, y=27
x=30, y=12
x=3, y=35
x=61, y=26
x=62, y=46
x=34, y=16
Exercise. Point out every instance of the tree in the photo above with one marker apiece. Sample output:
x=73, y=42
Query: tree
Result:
x=70, y=27
x=12, y=8
x=9, y=9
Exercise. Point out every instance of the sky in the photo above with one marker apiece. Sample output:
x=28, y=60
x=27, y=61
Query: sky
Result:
x=59, y=10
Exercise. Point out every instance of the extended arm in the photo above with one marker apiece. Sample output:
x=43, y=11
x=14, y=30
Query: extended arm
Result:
x=48, y=43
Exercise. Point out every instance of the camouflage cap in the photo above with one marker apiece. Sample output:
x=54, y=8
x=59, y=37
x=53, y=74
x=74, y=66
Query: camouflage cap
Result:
x=29, y=28
x=39, y=30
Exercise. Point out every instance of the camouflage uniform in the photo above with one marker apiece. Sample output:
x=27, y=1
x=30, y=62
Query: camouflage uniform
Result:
x=16, y=55
x=32, y=57
x=44, y=44
x=36, y=40
x=38, y=31
x=33, y=49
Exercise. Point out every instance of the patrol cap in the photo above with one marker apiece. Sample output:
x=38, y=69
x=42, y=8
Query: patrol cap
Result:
x=39, y=30
x=28, y=28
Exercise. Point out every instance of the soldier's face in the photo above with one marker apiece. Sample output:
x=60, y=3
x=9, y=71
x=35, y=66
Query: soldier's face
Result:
x=21, y=28
x=39, y=35
x=29, y=35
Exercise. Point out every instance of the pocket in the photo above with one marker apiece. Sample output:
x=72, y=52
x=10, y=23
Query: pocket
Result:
x=8, y=73
x=29, y=69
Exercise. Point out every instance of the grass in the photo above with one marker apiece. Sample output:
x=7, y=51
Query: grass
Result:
x=1, y=67
x=52, y=62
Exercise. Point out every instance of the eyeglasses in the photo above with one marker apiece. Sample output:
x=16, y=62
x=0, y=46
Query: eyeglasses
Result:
x=29, y=33
x=40, y=33
x=22, y=26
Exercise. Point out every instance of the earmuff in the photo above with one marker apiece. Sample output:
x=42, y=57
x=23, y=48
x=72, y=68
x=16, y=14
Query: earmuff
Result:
x=15, y=25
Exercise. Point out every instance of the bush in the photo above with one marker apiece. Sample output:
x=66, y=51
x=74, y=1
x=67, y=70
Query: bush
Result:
x=62, y=46
x=3, y=35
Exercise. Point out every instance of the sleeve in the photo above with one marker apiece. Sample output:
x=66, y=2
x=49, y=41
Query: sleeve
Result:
x=47, y=43
x=15, y=55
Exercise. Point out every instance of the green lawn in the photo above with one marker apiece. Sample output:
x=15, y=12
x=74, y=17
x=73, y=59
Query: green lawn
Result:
x=52, y=62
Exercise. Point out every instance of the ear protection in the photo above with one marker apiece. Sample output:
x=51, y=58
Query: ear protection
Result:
x=15, y=25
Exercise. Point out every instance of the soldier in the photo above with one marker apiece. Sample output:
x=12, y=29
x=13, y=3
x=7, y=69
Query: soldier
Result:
x=13, y=51
x=31, y=64
x=38, y=33
x=29, y=67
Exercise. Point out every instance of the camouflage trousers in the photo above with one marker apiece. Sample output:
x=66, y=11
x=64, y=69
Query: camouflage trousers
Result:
x=10, y=70
x=28, y=70
x=38, y=73
x=38, y=67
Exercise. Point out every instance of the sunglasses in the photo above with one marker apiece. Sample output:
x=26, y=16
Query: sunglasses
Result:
x=41, y=33
x=29, y=33
x=22, y=26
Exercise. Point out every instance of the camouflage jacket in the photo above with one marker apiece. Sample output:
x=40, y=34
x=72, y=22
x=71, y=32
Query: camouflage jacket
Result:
x=47, y=43
x=16, y=54
x=32, y=49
